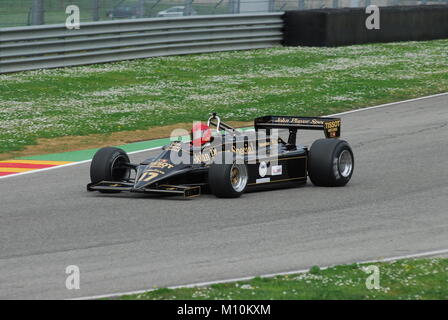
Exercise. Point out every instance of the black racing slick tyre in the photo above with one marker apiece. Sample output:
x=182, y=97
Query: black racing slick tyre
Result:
x=330, y=163
x=107, y=166
x=228, y=180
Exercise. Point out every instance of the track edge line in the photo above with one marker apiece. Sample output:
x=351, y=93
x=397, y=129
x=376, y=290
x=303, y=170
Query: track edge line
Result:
x=270, y=275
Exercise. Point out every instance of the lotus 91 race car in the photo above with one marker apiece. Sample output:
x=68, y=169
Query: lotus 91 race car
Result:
x=228, y=162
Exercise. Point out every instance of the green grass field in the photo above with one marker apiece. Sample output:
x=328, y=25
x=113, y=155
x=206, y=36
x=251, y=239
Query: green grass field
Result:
x=403, y=279
x=242, y=85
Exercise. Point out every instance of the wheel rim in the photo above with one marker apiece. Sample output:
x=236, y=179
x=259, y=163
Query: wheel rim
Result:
x=118, y=172
x=345, y=163
x=238, y=177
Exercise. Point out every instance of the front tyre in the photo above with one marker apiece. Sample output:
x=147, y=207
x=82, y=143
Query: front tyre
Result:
x=228, y=180
x=330, y=163
x=108, y=165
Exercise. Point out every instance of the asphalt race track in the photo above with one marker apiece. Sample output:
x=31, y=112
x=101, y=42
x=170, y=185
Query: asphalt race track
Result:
x=396, y=204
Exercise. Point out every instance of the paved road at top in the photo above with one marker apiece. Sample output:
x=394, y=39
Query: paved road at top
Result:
x=396, y=203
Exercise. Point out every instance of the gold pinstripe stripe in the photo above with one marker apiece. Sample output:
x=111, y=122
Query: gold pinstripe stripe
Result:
x=281, y=180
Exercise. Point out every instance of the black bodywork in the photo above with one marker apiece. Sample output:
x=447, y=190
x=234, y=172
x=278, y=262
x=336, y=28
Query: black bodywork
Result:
x=271, y=161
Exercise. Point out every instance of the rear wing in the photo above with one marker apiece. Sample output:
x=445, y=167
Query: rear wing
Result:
x=330, y=126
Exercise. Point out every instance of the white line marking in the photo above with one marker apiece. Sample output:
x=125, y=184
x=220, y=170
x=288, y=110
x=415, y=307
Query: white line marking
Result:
x=155, y=148
x=270, y=275
x=144, y=150
x=388, y=104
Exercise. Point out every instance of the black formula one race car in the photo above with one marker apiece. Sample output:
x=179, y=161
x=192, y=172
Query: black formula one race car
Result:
x=228, y=162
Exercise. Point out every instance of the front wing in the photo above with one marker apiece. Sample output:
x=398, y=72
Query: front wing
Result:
x=179, y=190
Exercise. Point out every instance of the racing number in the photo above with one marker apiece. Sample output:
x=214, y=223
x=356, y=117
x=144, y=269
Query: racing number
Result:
x=148, y=176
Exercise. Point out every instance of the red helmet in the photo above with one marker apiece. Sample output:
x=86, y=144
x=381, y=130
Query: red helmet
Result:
x=200, y=134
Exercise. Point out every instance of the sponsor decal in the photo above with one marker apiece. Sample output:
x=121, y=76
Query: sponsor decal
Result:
x=206, y=156
x=263, y=169
x=246, y=149
x=276, y=170
x=332, y=128
x=157, y=170
x=263, y=180
x=162, y=164
x=332, y=124
x=298, y=121
x=268, y=143
x=175, y=146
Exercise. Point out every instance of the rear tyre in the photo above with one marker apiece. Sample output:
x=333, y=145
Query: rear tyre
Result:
x=107, y=166
x=228, y=180
x=330, y=163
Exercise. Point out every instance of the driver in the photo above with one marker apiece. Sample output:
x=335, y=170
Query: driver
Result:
x=200, y=134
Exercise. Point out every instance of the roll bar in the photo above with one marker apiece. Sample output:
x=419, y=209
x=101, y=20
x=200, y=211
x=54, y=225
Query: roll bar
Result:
x=215, y=120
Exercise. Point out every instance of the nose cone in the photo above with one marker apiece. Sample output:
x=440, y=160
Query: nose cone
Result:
x=147, y=178
x=159, y=169
x=141, y=185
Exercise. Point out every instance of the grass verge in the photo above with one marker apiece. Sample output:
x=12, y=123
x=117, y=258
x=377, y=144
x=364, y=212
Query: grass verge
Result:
x=403, y=279
x=141, y=94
